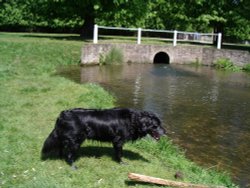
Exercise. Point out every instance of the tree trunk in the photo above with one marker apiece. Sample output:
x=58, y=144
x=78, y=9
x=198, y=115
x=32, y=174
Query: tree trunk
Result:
x=218, y=28
x=88, y=26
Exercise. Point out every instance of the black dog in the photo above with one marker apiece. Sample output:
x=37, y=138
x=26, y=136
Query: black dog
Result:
x=116, y=125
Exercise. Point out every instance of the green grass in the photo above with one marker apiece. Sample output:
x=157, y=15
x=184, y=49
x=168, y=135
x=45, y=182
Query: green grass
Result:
x=246, y=67
x=226, y=64
x=114, y=56
x=32, y=96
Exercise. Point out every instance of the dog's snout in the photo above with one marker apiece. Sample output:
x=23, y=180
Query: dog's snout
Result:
x=164, y=132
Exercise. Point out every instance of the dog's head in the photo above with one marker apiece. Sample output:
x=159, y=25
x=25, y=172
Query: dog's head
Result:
x=151, y=124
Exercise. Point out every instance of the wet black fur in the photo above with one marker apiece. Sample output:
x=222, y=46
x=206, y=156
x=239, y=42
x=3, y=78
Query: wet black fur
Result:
x=117, y=125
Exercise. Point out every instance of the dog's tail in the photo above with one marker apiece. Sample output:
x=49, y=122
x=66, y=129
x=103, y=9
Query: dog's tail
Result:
x=52, y=146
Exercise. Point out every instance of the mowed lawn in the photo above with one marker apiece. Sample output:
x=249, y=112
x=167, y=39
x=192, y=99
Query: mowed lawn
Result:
x=31, y=97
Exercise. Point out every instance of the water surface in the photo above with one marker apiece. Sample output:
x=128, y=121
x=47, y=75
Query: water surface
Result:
x=206, y=112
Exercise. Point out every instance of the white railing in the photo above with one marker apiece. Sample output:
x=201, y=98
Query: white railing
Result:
x=177, y=35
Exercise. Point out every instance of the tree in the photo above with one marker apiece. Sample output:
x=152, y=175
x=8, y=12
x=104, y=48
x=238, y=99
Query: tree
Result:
x=238, y=25
x=169, y=15
x=33, y=15
x=126, y=14
x=220, y=15
x=230, y=17
x=12, y=13
x=120, y=12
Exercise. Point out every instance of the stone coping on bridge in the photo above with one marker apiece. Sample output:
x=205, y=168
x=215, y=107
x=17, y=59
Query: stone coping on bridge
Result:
x=91, y=54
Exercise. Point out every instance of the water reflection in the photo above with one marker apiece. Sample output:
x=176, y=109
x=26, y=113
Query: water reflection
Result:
x=207, y=112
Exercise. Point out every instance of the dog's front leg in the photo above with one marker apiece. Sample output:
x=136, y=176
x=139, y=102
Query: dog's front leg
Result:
x=118, y=150
x=70, y=153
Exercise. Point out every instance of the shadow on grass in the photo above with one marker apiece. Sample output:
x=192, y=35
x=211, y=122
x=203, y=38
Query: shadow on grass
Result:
x=135, y=183
x=59, y=37
x=236, y=47
x=97, y=152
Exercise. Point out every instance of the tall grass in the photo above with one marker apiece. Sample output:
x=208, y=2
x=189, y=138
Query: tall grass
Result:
x=226, y=64
x=247, y=67
x=32, y=96
x=114, y=56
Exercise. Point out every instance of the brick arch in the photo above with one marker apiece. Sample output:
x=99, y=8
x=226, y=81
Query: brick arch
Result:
x=161, y=58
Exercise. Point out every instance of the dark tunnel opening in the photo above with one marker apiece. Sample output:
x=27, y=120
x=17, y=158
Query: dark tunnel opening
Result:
x=161, y=58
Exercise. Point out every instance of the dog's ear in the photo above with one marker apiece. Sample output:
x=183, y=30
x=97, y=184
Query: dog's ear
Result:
x=156, y=122
x=138, y=121
x=145, y=120
x=150, y=120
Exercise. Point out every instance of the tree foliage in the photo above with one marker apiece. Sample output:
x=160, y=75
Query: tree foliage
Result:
x=231, y=17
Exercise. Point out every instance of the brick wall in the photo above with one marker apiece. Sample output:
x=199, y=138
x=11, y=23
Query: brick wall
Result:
x=179, y=54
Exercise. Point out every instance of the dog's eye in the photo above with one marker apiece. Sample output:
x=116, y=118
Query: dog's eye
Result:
x=155, y=126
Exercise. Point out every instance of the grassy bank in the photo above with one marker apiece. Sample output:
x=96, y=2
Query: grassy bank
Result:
x=227, y=65
x=32, y=96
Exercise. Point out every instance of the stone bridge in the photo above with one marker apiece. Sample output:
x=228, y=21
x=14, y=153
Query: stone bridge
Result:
x=91, y=53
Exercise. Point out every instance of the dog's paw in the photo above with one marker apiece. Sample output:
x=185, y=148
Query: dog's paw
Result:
x=73, y=167
x=123, y=163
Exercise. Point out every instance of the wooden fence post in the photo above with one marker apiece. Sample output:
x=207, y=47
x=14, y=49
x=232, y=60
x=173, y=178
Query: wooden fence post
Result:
x=219, y=41
x=95, y=39
x=175, y=38
x=139, y=36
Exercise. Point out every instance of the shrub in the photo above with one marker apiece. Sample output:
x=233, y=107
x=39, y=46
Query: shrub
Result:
x=246, y=67
x=226, y=64
x=114, y=56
